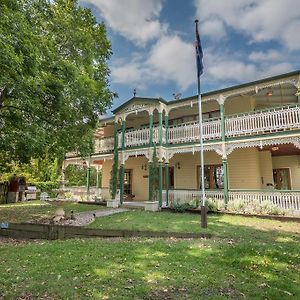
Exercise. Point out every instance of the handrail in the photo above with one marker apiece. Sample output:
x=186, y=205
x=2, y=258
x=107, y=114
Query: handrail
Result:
x=270, y=109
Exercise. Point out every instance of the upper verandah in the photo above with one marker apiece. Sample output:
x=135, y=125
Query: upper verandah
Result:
x=248, y=97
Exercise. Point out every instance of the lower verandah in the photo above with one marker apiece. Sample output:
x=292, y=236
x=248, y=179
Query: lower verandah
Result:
x=248, y=169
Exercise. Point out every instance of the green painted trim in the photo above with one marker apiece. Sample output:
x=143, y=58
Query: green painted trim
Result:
x=250, y=137
x=151, y=130
x=160, y=183
x=160, y=128
x=167, y=183
x=115, y=135
x=225, y=168
x=122, y=172
x=88, y=177
x=149, y=180
x=193, y=143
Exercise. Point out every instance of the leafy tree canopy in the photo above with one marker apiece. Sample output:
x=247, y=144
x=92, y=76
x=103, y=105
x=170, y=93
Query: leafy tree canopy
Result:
x=53, y=77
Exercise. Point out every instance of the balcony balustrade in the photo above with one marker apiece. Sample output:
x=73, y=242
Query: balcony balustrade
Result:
x=104, y=145
x=261, y=122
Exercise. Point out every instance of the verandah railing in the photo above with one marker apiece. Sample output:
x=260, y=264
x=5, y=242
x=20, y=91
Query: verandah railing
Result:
x=284, y=200
x=259, y=122
x=189, y=132
x=271, y=120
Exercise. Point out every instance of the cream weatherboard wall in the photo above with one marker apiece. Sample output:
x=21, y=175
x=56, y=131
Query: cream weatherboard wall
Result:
x=244, y=169
x=186, y=176
x=139, y=177
x=293, y=163
x=106, y=168
x=266, y=169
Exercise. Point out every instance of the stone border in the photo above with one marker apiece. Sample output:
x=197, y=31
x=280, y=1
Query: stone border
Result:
x=54, y=232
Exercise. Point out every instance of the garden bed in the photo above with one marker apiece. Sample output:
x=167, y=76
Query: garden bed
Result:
x=270, y=217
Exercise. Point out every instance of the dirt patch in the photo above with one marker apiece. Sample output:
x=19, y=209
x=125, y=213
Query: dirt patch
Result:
x=16, y=242
x=29, y=296
x=168, y=294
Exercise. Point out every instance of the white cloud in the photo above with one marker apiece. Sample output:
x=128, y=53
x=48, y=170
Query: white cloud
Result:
x=270, y=55
x=262, y=20
x=173, y=59
x=169, y=59
x=213, y=27
x=136, y=20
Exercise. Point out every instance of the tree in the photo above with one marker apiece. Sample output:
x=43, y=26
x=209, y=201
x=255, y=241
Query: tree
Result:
x=53, y=77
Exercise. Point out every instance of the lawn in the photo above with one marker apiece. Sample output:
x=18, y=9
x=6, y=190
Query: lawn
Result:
x=246, y=259
x=34, y=210
x=218, y=225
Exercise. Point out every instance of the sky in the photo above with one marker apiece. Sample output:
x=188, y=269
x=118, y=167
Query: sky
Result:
x=153, y=43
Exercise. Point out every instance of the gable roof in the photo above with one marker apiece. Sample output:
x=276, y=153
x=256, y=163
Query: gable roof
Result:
x=144, y=99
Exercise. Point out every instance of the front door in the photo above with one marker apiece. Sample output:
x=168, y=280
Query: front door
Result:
x=213, y=177
x=171, y=178
x=128, y=182
x=282, y=180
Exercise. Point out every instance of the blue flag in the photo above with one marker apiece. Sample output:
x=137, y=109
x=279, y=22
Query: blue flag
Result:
x=199, y=53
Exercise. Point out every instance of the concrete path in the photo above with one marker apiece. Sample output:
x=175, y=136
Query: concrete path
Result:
x=85, y=218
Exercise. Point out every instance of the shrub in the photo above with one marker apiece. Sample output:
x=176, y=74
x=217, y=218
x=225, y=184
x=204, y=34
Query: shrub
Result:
x=212, y=206
x=46, y=186
x=256, y=207
x=181, y=207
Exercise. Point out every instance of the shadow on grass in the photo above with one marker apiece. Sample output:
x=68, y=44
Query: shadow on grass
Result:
x=244, y=262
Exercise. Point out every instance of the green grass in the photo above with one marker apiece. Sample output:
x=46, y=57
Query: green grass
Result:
x=248, y=258
x=34, y=210
x=218, y=225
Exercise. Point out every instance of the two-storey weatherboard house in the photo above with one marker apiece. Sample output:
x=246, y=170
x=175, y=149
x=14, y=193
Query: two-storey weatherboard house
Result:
x=251, y=144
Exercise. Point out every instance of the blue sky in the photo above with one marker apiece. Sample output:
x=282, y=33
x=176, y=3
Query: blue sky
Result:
x=153, y=43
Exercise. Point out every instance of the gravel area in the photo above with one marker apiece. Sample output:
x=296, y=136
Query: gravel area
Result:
x=85, y=218
x=82, y=218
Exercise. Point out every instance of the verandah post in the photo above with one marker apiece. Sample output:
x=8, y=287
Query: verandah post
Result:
x=167, y=162
x=122, y=168
x=114, y=171
x=160, y=164
x=88, y=176
x=167, y=182
x=150, y=155
x=221, y=101
x=121, y=175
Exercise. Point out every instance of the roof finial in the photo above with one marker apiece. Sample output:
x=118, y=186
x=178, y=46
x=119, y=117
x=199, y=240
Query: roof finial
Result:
x=134, y=92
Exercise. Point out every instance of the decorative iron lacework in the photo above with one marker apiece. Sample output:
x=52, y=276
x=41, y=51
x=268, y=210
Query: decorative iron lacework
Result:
x=134, y=153
x=261, y=143
x=193, y=149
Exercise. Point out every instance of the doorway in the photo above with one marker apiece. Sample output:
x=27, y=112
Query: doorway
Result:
x=128, y=182
x=282, y=179
x=213, y=177
x=171, y=178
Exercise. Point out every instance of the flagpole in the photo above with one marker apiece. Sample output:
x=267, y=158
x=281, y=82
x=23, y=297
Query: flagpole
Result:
x=203, y=204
